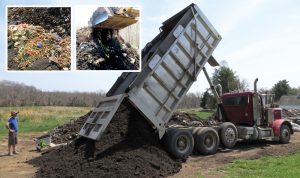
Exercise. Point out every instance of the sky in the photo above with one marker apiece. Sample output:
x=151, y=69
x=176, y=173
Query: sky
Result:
x=260, y=39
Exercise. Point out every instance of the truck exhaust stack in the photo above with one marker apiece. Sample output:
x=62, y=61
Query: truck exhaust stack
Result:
x=255, y=85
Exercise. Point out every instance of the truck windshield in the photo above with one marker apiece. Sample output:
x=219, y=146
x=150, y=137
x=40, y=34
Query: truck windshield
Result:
x=235, y=101
x=267, y=99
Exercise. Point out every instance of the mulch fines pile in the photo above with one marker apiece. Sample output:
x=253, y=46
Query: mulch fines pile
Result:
x=293, y=115
x=290, y=113
x=54, y=19
x=68, y=132
x=104, y=49
x=40, y=34
x=191, y=120
x=129, y=147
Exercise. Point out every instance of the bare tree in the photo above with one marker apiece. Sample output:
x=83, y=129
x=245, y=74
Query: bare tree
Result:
x=18, y=94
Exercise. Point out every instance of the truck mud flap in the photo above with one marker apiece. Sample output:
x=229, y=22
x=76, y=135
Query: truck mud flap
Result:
x=101, y=116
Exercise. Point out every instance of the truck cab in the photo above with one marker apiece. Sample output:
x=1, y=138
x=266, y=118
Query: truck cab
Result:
x=239, y=108
x=255, y=116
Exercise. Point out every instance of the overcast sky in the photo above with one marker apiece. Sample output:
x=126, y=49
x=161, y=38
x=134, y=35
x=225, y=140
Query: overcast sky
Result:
x=260, y=39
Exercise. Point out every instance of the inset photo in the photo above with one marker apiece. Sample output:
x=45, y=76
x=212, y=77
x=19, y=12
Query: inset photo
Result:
x=107, y=38
x=39, y=38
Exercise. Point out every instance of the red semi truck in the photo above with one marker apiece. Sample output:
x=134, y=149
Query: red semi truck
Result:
x=171, y=63
x=241, y=115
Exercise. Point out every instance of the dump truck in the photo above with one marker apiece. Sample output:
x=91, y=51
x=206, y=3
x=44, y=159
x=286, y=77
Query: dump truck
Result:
x=171, y=63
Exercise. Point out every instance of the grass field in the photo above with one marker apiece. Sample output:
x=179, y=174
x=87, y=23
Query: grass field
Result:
x=40, y=118
x=44, y=118
x=281, y=166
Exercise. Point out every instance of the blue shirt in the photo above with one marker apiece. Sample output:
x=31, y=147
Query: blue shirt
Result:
x=13, y=123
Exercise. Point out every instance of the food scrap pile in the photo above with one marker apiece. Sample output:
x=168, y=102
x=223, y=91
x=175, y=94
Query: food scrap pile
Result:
x=104, y=49
x=39, y=38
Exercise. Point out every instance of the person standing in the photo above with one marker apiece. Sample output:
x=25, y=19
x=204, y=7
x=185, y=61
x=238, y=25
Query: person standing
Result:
x=12, y=126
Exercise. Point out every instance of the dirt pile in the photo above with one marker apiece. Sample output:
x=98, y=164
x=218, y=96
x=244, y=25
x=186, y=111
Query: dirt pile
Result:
x=128, y=148
x=56, y=20
x=290, y=113
x=68, y=131
x=104, y=49
x=187, y=119
x=39, y=38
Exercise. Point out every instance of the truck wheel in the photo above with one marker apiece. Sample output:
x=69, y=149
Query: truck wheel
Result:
x=228, y=134
x=285, y=134
x=207, y=141
x=196, y=130
x=180, y=143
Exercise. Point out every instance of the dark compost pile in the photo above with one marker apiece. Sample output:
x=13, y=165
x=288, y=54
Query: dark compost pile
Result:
x=190, y=120
x=129, y=147
x=69, y=131
x=54, y=19
x=290, y=113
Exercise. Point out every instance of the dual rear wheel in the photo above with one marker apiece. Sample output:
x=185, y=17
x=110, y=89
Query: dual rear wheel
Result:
x=206, y=140
x=180, y=142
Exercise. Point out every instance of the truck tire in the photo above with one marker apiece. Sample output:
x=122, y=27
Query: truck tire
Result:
x=207, y=141
x=285, y=134
x=180, y=142
x=228, y=134
x=196, y=130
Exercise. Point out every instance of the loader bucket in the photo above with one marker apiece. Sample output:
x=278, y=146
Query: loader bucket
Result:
x=114, y=17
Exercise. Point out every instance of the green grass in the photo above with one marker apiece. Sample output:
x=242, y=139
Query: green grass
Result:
x=278, y=166
x=40, y=118
x=203, y=114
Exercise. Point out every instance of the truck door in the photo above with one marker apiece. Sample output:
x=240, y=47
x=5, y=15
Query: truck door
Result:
x=238, y=109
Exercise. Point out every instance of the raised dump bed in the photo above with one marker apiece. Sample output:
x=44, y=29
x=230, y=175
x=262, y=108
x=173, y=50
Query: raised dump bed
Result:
x=171, y=63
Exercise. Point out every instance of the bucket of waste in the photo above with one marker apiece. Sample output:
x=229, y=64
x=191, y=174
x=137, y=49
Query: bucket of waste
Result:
x=114, y=17
x=42, y=142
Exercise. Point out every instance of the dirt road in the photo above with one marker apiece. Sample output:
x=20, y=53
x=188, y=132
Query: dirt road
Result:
x=206, y=165
x=16, y=166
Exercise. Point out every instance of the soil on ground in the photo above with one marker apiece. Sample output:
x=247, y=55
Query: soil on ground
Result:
x=69, y=131
x=16, y=166
x=207, y=165
x=290, y=113
x=190, y=120
x=128, y=148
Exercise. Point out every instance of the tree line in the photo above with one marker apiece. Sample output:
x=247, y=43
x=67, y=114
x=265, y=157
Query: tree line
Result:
x=282, y=87
x=18, y=94
x=230, y=82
